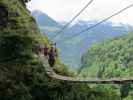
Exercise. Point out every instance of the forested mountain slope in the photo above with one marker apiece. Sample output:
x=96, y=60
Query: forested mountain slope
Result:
x=22, y=75
x=111, y=58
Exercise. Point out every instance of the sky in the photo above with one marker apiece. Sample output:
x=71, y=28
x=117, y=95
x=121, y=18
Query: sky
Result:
x=65, y=10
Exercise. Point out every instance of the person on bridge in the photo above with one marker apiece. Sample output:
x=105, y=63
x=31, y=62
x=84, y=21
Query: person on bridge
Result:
x=52, y=56
x=45, y=50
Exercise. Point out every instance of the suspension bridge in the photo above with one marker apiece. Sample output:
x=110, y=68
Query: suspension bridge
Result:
x=51, y=73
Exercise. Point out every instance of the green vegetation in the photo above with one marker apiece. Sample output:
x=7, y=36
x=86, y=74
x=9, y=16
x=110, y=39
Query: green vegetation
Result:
x=22, y=75
x=111, y=59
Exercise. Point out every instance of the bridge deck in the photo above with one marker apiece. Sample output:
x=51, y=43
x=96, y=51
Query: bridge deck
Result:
x=50, y=72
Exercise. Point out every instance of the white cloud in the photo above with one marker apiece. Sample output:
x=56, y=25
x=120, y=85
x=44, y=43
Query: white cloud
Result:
x=64, y=10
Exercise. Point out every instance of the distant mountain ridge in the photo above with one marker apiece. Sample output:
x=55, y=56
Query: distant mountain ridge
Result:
x=72, y=50
x=44, y=20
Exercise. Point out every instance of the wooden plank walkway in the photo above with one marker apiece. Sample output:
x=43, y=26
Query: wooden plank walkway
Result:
x=50, y=72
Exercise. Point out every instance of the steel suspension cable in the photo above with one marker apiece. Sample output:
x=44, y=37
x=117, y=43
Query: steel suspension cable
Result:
x=93, y=26
x=66, y=25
